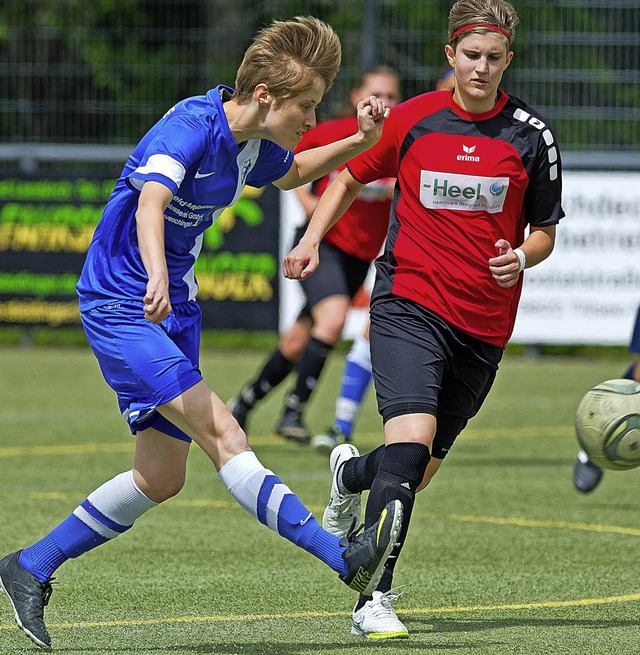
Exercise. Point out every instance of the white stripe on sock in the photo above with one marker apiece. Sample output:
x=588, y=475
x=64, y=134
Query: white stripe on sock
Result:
x=81, y=513
x=276, y=497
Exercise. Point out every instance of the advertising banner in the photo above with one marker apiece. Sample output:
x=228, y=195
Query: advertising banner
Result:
x=588, y=291
x=46, y=225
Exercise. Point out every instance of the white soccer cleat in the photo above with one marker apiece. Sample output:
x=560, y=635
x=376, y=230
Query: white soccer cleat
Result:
x=377, y=620
x=343, y=510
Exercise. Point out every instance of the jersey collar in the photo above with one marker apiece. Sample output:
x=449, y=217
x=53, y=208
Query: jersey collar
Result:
x=503, y=98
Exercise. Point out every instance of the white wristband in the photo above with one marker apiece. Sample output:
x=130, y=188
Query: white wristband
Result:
x=521, y=257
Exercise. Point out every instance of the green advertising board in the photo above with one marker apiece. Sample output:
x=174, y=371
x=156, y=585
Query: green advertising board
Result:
x=46, y=225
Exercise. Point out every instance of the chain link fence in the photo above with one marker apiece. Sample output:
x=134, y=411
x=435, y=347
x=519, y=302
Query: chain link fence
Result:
x=103, y=72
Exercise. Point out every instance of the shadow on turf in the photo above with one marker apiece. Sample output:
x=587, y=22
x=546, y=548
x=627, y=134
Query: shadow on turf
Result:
x=280, y=648
x=442, y=626
x=417, y=626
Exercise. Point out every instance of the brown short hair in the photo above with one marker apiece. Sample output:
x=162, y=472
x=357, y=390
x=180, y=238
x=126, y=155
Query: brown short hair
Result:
x=498, y=13
x=289, y=56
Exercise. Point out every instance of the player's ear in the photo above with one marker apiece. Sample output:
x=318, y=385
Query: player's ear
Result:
x=509, y=58
x=450, y=55
x=262, y=95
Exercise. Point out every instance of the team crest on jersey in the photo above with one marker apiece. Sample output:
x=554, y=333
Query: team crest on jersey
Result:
x=458, y=192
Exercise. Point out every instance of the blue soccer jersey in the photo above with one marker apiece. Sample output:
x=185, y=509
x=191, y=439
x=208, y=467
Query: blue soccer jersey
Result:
x=191, y=151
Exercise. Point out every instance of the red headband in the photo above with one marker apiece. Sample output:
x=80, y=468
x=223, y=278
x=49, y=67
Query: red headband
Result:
x=486, y=26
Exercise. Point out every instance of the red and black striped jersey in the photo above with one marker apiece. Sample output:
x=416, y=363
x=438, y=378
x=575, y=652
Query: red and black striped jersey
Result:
x=362, y=229
x=463, y=182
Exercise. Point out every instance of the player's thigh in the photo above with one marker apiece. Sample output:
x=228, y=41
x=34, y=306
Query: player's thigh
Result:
x=201, y=414
x=408, y=359
x=141, y=361
x=465, y=386
x=414, y=428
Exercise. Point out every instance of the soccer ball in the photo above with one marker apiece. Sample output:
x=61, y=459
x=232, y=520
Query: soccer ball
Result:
x=608, y=424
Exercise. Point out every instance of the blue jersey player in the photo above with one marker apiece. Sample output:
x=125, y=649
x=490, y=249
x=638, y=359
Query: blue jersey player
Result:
x=137, y=300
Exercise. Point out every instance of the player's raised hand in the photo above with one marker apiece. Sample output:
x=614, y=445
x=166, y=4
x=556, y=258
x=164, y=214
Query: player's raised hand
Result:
x=505, y=268
x=301, y=262
x=371, y=113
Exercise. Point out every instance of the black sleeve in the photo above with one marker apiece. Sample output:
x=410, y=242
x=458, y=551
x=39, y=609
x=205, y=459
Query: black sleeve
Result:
x=542, y=200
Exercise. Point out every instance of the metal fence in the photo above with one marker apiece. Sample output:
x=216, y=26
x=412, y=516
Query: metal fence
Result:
x=78, y=72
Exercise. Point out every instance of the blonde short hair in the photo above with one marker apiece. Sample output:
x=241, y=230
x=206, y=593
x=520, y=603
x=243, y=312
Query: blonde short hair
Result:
x=289, y=56
x=497, y=13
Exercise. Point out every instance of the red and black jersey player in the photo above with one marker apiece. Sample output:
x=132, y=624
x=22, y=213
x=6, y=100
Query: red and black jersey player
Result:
x=477, y=170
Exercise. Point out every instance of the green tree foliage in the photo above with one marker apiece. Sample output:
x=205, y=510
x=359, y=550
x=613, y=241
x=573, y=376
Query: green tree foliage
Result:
x=72, y=70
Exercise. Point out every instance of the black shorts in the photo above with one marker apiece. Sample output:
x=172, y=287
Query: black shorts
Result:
x=423, y=365
x=339, y=274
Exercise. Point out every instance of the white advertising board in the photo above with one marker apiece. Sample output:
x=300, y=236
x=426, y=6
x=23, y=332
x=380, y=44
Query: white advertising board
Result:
x=588, y=291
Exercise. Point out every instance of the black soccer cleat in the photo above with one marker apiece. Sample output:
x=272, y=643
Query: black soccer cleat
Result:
x=28, y=596
x=240, y=411
x=586, y=474
x=292, y=428
x=367, y=552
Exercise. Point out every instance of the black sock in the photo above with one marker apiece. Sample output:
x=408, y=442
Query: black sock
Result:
x=358, y=473
x=275, y=370
x=399, y=475
x=309, y=367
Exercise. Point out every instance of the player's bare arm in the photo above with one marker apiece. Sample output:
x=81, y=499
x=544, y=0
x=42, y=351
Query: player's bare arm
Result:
x=314, y=163
x=506, y=267
x=303, y=260
x=153, y=200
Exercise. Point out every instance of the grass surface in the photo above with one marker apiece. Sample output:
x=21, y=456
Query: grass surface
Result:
x=503, y=556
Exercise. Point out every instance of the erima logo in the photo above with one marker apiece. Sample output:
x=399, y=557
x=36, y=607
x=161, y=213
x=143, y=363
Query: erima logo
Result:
x=468, y=156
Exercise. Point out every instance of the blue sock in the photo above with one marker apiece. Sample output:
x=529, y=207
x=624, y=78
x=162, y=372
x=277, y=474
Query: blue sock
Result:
x=69, y=539
x=106, y=513
x=355, y=382
x=270, y=501
x=297, y=524
x=629, y=373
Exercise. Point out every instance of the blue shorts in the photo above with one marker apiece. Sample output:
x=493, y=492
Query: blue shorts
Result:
x=147, y=365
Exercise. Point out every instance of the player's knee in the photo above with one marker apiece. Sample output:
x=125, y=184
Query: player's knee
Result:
x=330, y=329
x=405, y=462
x=161, y=487
x=228, y=431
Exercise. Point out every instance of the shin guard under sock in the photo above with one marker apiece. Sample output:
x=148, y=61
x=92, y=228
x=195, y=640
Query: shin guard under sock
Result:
x=400, y=473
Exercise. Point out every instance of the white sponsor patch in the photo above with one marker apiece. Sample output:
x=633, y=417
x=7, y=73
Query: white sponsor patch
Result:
x=468, y=193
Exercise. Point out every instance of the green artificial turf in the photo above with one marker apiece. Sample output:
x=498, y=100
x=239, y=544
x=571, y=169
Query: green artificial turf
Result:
x=503, y=556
